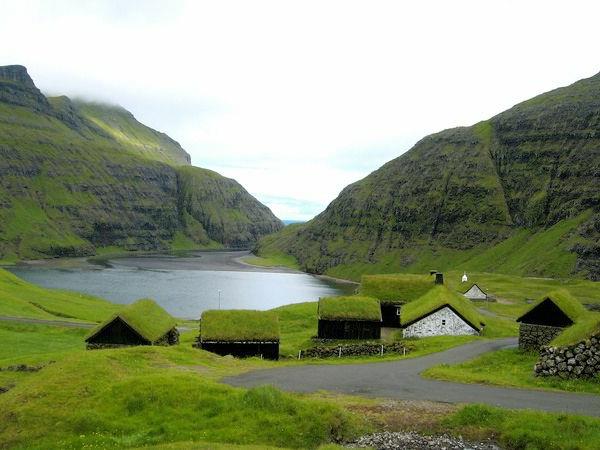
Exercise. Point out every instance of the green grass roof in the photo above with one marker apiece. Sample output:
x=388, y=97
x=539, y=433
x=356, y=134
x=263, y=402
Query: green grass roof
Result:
x=239, y=325
x=396, y=287
x=565, y=301
x=144, y=316
x=353, y=308
x=586, y=326
x=436, y=298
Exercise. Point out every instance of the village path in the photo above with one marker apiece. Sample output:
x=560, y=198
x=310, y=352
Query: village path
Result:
x=402, y=380
x=56, y=323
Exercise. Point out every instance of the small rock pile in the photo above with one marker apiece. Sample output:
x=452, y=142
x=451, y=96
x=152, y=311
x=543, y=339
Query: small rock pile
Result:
x=581, y=360
x=363, y=349
x=415, y=441
x=21, y=368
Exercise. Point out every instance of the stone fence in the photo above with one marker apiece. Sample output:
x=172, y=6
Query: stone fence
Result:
x=580, y=360
x=359, y=349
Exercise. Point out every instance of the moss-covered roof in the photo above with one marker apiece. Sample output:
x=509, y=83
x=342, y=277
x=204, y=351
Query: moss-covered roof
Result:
x=237, y=325
x=587, y=325
x=350, y=308
x=147, y=318
x=437, y=298
x=402, y=288
x=563, y=300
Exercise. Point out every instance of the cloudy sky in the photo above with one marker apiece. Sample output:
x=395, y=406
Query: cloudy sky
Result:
x=297, y=99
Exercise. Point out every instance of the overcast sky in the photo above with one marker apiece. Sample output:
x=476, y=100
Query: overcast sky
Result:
x=295, y=100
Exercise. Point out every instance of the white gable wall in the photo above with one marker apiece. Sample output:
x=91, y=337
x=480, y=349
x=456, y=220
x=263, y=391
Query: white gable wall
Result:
x=475, y=293
x=442, y=322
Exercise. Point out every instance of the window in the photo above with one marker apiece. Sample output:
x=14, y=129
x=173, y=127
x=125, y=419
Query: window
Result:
x=443, y=322
x=397, y=311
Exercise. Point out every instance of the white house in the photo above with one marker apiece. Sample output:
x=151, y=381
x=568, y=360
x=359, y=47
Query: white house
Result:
x=439, y=312
x=476, y=293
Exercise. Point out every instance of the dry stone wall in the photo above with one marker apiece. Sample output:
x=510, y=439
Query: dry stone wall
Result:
x=580, y=360
x=534, y=337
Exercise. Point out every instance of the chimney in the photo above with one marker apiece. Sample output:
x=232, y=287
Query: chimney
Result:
x=439, y=278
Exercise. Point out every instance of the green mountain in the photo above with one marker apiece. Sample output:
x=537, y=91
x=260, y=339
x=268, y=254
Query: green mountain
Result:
x=77, y=177
x=518, y=194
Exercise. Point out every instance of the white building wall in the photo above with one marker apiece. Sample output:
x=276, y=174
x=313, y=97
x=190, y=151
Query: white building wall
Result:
x=442, y=322
x=475, y=294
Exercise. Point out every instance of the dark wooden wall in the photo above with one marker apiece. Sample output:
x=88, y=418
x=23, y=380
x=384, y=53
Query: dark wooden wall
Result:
x=243, y=350
x=118, y=332
x=389, y=315
x=348, y=329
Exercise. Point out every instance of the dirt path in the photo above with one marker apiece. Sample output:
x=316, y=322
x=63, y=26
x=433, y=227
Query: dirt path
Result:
x=402, y=380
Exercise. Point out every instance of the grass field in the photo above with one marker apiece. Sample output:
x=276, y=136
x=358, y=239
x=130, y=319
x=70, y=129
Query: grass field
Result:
x=170, y=397
x=509, y=367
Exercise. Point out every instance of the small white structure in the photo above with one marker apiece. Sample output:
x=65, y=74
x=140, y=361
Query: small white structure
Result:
x=445, y=321
x=476, y=293
x=465, y=278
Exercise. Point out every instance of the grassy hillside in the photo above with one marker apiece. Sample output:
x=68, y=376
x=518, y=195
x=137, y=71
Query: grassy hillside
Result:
x=78, y=177
x=517, y=193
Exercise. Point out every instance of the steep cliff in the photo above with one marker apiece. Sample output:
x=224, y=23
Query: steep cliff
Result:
x=518, y=193
x=77, y=176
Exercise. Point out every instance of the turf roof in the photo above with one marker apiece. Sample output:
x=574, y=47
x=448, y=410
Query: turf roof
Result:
x=147, y=318
x=437, y=298
x=237, y=325
x=564, y=300
x=350, y=308
x=396, y=287
x=586, y=326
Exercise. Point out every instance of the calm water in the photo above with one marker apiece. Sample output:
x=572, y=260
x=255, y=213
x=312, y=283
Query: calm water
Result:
x=187, y=286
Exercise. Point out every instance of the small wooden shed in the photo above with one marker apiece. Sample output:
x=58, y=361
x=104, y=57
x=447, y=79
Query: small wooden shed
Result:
x=475, y=293
x=140, y=323
x=240, y=333
x=547, y=318
x=440, y=312
x=353, y=317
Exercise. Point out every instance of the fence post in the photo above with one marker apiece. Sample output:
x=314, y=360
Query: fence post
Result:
x=381, y=349
x=340, y=351
x=404, y=351
x=299, y=354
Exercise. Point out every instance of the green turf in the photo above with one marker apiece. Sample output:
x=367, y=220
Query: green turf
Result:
x=147, y=318
x=586, y=327
x=396, y=287
x=275, y=260
x=509, y=367
x=239, y=325
x=354, y=308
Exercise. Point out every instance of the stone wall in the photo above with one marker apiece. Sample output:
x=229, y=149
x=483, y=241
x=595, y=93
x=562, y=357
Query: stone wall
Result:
x=533, y=337
x=444, y=322
x=580, y=360
x=362, y=349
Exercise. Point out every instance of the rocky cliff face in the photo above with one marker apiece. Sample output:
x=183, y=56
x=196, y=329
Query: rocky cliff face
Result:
x=459, y=193
x=75, y=177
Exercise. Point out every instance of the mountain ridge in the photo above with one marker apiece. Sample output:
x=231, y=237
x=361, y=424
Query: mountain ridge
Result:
x=79, y=177
x=465, y=190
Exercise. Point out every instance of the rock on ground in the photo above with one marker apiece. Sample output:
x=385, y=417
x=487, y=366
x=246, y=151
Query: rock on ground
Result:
x=415, y=441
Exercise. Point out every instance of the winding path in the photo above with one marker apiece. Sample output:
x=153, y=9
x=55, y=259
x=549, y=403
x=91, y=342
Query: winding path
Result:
x=402, y=380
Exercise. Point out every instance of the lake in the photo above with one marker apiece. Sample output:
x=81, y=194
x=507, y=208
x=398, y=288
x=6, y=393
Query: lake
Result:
x=185, y=286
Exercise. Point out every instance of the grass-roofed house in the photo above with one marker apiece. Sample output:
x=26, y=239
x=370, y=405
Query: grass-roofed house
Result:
x=440, y=312
x=353, y=317
x=394, y=290
x=475, y=293
x=575, y=352
x=240, y=333
x=140, y=323
x=547, y=318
